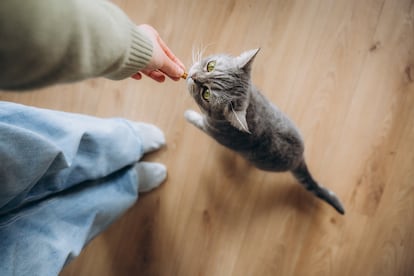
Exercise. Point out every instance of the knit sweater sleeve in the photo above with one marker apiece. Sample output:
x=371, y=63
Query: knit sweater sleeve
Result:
x=46, y=42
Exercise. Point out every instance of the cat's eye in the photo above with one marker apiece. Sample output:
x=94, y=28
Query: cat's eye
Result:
x=211, y=65
x=206, y=94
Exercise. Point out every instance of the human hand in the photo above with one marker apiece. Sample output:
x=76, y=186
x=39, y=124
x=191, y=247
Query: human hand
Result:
x=163, y=62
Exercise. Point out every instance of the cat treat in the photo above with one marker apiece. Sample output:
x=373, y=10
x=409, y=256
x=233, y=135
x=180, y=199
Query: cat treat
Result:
x=184, y=76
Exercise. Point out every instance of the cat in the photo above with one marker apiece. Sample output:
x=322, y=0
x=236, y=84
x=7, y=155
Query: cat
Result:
x=238, y=116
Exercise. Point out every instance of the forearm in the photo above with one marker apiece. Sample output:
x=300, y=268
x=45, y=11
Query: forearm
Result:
x=48, y=41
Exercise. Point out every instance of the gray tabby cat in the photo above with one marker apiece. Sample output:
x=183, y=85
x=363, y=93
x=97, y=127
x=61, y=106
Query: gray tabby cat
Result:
x=239, y=117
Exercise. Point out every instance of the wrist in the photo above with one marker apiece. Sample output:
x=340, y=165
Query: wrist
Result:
x=138, y=57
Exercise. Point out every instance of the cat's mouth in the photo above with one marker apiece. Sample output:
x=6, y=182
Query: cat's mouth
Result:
x=191, y=85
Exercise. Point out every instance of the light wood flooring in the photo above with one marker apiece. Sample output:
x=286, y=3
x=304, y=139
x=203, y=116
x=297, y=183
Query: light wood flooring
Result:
x=343, y=70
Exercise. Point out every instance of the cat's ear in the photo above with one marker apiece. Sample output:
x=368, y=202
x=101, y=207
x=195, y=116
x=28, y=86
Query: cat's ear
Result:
x=238, y=119
x=245, y=60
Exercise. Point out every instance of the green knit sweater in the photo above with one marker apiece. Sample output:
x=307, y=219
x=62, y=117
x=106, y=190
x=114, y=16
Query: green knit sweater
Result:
x=44, y=42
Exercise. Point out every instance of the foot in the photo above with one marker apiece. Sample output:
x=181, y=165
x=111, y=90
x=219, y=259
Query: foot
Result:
x=152, y=137
x=150, y=175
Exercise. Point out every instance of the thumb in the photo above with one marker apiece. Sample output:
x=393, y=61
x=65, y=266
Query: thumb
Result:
x=172, y=66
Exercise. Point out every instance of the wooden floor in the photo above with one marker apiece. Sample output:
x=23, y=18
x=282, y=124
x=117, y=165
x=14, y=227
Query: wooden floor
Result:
x=343, y=71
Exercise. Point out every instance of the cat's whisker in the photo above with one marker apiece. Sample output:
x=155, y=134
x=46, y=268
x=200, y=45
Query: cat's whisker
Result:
x=196, y=53
x=193, y=54
x=204, y=49
x=200, y=55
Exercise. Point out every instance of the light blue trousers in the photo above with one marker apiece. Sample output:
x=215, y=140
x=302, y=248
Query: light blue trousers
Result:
x=63, y=179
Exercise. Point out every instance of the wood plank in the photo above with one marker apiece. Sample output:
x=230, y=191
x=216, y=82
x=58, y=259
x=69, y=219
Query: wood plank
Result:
x=343, y=71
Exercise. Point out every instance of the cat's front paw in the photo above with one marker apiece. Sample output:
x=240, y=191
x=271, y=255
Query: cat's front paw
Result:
x=195, y=118
x=192, y=116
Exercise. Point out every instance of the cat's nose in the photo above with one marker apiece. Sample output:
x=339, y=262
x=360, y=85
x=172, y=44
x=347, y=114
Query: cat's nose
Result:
x=194, y=77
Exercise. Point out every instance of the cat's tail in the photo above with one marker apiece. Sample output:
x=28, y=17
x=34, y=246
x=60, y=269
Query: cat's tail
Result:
x=303, y=175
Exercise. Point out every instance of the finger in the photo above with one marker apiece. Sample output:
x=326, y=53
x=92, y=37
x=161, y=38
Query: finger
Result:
x=156, y=75
x=137, y=76
x=171, y=69
x=173, y=78
x=169, y=53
